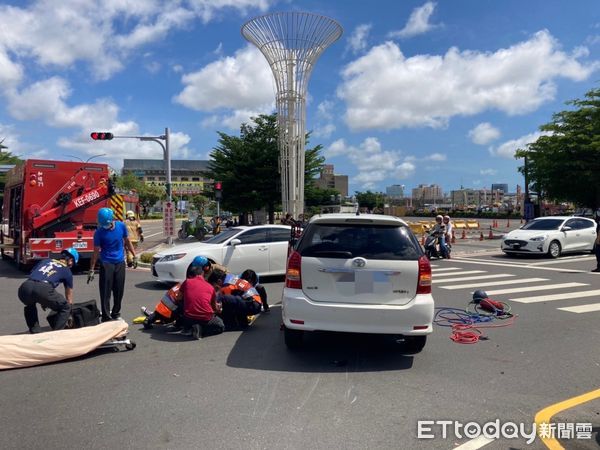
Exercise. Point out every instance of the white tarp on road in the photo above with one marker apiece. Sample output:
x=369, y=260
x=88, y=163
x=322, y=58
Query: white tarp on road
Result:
x=24, y=350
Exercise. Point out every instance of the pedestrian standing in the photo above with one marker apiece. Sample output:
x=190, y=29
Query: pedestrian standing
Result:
x=40, y=287
x=597, y=242
x=110, y=240
x=136, y=235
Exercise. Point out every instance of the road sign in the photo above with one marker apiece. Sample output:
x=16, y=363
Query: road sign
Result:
x=168, y=219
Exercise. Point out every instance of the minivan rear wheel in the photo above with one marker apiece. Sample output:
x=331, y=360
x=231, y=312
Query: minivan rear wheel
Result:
x=293, y=338
x=411, y=345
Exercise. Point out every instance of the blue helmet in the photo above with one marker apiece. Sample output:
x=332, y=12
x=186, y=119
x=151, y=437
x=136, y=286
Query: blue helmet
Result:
x=71, y=253
x=105, y=216
x=201, y=261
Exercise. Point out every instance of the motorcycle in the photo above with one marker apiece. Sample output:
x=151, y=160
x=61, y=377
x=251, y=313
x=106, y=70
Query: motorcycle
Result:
x=196, y=228
x=433, y=246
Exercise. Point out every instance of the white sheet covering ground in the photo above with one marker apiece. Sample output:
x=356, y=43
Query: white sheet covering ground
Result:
x=25, y=350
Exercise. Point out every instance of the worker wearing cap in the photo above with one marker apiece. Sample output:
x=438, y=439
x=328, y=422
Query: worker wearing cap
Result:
x=200, y=306
x=40, y=287
x=110, y=240
x=136, y=235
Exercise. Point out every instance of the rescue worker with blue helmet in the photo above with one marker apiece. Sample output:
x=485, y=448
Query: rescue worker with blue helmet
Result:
x=40, y=287
x=110, y=239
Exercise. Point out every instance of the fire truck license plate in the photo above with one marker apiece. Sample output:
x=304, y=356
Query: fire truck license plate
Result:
x=79, y=244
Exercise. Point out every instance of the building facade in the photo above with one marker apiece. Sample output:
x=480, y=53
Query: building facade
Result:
x=395, y=191
x=427, y=194
x=186, y=175
x=500, y=187
x=330, y=180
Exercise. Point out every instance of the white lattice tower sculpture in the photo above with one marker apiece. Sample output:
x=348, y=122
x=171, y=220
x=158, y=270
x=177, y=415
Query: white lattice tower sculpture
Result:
x=292, y=42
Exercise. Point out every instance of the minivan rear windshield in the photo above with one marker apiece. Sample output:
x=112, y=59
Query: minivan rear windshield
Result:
x=387, y=242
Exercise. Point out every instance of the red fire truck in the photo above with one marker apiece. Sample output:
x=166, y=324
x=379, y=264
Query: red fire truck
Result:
x=52, y=205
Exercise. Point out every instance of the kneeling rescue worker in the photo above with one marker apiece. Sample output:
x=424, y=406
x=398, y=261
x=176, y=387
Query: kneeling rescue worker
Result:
x=40, y=287
x=240, y=299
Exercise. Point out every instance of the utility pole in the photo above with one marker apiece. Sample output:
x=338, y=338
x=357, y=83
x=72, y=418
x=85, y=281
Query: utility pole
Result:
x=168, y=227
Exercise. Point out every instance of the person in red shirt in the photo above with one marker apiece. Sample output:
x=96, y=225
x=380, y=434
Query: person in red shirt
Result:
x=200, y=305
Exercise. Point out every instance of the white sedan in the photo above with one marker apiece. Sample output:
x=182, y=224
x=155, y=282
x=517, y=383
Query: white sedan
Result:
x=551, y=235
x=262, y=248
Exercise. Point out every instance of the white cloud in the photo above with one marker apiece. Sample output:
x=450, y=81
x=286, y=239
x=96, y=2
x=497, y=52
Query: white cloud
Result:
x=508, y=148
x=325, y=131
x=490, y=172
x=324, y=110
x=372, y=162
x=102, y=34
x=385, y=90
x=484, y=133
x=357, y=41
x=418, y=22
x=10, y=73
x=232, y=121
x=242, y=81
x=436, y=157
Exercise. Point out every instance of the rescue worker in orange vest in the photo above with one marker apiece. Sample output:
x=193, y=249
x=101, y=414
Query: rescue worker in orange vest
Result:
x=167, y=309
x=239, y=299
x=136, y=235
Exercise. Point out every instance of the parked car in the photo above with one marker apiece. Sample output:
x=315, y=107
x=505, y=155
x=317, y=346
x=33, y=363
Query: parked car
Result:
x=262, y=248
x=551, y=235
x=361, y=274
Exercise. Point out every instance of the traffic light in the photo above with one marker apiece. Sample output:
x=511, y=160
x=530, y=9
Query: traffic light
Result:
x=218, y=190
x=101, y=136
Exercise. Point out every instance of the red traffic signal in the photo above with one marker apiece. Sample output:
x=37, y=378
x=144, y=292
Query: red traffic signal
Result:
x=101, y=136
x=217, y=185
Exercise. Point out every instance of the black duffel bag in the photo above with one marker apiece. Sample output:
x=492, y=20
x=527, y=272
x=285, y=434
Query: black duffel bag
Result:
x=83, y=314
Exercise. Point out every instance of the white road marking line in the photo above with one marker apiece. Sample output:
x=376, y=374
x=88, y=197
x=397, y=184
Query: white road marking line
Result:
x=478, y=277
x=535, y=288
x=434, y=269
x=564, y=260
x=468, y=272
x=485, y=262
x=582, y=308
x=549, y=298
x=150, y=235
x=474, y=444
x=493, y=283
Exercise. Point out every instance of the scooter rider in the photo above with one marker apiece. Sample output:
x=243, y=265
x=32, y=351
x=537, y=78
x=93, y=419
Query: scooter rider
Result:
x=448, y=235
x=40, y=288
x=440, y=230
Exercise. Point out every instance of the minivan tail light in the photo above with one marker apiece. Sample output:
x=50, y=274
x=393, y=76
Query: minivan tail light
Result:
x=424, y=283
x=293, y=275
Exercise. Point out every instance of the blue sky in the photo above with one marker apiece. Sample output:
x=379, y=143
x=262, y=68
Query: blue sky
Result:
x=414, y=92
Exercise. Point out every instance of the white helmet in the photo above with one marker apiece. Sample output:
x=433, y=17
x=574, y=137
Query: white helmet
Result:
x=439, y=217
x=130, y=215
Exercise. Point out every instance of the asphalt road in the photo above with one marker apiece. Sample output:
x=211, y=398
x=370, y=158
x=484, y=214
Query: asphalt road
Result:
x=246, y=390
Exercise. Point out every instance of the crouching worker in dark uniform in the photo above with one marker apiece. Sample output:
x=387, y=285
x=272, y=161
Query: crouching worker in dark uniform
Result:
x=200, y=306
x=40, y=288
x=240, y=299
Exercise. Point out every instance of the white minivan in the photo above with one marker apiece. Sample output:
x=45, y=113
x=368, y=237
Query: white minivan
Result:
x=358, y=273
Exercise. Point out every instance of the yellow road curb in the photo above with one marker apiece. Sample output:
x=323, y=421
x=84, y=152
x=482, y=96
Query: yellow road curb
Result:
x=546, y=414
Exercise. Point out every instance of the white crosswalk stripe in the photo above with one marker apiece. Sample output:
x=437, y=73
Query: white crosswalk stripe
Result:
x=454, y=278
x=555, y=297
x=535, y=288
x=582, y=308
x=494, y=283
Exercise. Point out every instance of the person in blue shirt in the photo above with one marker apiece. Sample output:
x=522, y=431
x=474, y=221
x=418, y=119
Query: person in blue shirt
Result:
x=110, y=240
x=40, y=287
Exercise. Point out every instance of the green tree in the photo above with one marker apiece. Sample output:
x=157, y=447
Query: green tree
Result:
x=149, y=195
x=6, y=158
x=565, y=164
x=369, y=200
x=128, y=182
x=248, y=167
x=200, y=202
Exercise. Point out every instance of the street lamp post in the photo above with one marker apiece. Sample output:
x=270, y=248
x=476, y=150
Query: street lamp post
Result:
x=166, y=155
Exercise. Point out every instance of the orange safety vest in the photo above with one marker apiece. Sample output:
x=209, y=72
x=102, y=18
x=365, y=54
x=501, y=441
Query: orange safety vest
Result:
x=169, y=302
x=238, y=286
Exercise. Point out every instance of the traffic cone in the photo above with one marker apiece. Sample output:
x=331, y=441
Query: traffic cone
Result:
x=481, y=236
x=491, y=235
x=453, y=240
x=464, y=234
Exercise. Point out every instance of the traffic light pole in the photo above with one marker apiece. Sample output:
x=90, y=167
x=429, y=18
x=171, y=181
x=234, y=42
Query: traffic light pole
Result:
x=166, y=155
